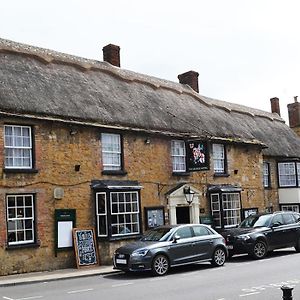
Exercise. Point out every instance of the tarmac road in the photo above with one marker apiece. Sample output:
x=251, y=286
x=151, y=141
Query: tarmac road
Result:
x=240, y=278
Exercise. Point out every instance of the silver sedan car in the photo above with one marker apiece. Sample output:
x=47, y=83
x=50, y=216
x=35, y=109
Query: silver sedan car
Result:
x=167, y=246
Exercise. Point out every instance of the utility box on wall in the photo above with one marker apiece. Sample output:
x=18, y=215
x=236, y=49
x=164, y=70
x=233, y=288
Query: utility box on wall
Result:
x=65, y=221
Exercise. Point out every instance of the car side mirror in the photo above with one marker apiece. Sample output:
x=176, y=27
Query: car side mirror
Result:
x=276, y=224
x=176, y=238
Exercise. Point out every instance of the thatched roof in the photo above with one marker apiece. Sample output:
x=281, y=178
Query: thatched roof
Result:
x=45, y=84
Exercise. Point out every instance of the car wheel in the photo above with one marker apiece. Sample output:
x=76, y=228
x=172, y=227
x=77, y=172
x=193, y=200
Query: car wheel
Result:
x=160, y=265
x=259, y=250
x=219, y=257
x=297, y=247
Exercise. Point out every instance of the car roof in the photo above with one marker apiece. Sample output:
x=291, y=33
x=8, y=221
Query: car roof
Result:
x=179, y=225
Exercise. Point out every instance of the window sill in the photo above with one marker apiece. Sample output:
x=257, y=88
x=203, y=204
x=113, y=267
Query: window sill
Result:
x=17, y=171
x=22, y=246
x=221, y=175
x=267, y=187
x=289, y=187
x=112, y=172
x=181, y=174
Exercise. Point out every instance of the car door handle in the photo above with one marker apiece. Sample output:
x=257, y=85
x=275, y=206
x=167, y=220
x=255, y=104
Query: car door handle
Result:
x=211, y=242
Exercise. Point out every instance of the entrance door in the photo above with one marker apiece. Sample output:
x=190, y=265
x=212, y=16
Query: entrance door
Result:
x=183, y=215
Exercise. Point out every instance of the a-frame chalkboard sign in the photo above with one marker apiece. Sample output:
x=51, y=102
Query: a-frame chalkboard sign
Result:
x=85, y=247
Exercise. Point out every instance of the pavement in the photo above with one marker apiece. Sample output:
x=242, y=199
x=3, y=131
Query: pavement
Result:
x=34, y=277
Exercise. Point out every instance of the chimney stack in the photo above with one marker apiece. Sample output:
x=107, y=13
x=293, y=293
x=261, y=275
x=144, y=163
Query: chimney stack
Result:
x=275, y=108
x=294, y=113
x=190, y=78
x=111, y=54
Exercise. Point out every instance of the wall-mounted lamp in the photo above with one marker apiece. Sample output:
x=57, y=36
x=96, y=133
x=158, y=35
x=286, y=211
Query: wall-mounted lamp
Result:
x=188, y=194
x=147, y=141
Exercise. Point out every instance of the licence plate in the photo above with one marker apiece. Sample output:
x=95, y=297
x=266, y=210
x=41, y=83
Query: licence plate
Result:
x=121, y=261
x=229, y=247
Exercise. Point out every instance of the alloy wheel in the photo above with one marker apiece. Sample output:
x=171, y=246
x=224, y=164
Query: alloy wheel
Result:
x=160, y=265
x=219, y=257
x=259, y=250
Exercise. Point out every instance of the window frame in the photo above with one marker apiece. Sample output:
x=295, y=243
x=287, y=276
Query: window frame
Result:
x=109, y=214
x=266, y=175
x=219, y=213
x=174, y=156
x=120, y=169
x=284, y=207
x=223, y=159
x=103, y=215
x=31, y=148
x=293, y=175
x=23, y=243
x=226, y=212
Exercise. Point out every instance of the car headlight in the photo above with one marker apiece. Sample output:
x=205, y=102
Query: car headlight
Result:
x=245, y=237
x=141, y=252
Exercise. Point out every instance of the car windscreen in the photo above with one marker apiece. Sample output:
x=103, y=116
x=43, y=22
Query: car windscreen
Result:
x=157, y=234
x=256, y=221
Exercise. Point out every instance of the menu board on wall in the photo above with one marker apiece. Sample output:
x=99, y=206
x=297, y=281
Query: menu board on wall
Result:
x=85, y=247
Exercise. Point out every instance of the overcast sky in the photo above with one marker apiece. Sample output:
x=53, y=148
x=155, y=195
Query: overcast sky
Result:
x=246, y=51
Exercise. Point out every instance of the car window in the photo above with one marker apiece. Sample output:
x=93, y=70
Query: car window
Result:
x=256, y=221
x=297, y=217
x=184, y=232
x=277, y=220
x=157, y=234
x=288, y=219
x=201, y=230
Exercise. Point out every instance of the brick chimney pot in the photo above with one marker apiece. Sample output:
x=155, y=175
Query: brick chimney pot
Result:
x=190, y=78
x=294, y=114
x=111, y=54
x=275, y=107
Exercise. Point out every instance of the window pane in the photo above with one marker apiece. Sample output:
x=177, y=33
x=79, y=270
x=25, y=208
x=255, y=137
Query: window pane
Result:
x=266, y=175
x=29, y=236
x=178, y=156
x=298, y=173
x=18, y=149
x=101, y=214
x=125, y=213
x=231, y=209
x=20, y=217
x=101, y=204
x=111, y=151
x=287, y=174
x=219, y=158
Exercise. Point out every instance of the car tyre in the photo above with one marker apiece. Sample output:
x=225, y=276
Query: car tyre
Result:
x=219, y=257
x=259, y=250
x=297, y=247
x=160, y=265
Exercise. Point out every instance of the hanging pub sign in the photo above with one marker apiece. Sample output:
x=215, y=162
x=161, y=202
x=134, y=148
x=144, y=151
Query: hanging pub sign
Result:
x=197, y=156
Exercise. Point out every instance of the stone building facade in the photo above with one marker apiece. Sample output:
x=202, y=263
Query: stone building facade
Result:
x=69, y=141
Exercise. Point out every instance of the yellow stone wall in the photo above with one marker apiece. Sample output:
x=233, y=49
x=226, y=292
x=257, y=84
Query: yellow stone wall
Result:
x=56, y=154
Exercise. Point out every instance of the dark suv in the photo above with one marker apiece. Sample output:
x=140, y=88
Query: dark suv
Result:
x=261, y=233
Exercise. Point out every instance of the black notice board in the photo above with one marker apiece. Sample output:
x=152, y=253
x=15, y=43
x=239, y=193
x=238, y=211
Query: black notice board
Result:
x=85, y=247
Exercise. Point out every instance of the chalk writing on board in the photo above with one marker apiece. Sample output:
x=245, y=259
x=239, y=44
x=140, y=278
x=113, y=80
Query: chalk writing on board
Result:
x=85, y=248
